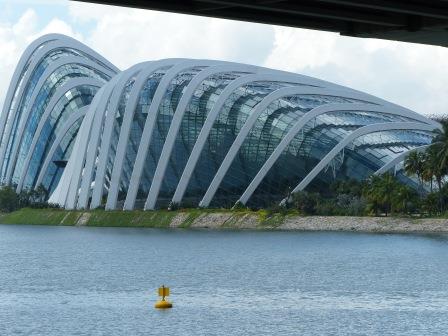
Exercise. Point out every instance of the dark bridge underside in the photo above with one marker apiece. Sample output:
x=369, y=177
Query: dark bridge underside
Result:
x=418, y=21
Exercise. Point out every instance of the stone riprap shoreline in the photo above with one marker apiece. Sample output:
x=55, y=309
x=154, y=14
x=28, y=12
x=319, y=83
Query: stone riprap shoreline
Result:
x=366, y=224
x=222, y=219
x=322, y=223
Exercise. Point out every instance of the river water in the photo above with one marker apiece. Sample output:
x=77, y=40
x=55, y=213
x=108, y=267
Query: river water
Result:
x=103, y=281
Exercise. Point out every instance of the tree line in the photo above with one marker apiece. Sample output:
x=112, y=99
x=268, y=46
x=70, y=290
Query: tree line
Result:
x=33, y=198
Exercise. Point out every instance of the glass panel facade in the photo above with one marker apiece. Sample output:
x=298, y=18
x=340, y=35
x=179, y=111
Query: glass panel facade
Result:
x=71, y=102
x=358, y=160
x=226, y=127
x=41, y=130
x=165, y=113
x=35, y=89
x=60, y=158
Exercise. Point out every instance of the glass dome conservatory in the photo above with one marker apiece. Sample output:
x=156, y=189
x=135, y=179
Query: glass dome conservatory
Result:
x=192, y=132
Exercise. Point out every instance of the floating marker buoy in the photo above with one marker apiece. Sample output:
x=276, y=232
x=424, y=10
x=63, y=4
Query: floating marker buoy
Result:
x=163, y=304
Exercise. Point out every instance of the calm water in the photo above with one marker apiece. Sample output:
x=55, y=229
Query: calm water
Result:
x=101, y=281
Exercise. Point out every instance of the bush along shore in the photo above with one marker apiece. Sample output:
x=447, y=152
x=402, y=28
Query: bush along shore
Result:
x=224, y=219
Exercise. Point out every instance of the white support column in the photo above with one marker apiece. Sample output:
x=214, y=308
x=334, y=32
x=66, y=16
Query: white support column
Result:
x=250, y=122
x=392, y=163
x=26, y=113
x=60, y=92
x=59, y=195
x=9, y=112
x=97, y=192
x=150, y=122
x=129, y=113
x=79, y=148
x=18, y=74
x=52, y=42
x=352, y=136
x=298, y=126
x=211, y=117
x=93, y=144
x=69, y=123
x=173, y=130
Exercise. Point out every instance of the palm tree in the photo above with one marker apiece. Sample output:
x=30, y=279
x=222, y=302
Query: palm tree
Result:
x=414, y=165
x=434, y=164
x=437, y=156
x=380, y=192
x=428, y=170
x=403, y=197
x=440, y=142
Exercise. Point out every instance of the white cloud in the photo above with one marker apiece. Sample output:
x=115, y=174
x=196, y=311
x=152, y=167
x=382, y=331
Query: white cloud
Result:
x=15, y=37
x=128, y=36
x=408, y=74
x=13, y=41
x=58, y=26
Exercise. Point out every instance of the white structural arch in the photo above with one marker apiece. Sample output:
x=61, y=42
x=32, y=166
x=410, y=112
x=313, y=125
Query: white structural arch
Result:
x=60, y=195
x=224, y=103
x=400, y=158
x=352, y=136
x=64, y=51
x=32, y=56
x=35, y=52
x=250, y=122
x=95, y=137
x=60, y=92
x=67, y=125
x=55, y=65
x=213, y=69
x=81, y=140
x=260, y=76
x=149, y=123
x=298, y=126
x=149, y=128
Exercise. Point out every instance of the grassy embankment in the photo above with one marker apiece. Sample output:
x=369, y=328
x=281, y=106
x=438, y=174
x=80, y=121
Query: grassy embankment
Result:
x=157, y=219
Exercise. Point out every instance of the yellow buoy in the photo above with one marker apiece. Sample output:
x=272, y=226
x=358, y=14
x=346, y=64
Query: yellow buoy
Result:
x=163, y=304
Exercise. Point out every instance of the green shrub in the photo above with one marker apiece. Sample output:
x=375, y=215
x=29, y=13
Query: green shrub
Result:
x=8, y=199
x=305, y=202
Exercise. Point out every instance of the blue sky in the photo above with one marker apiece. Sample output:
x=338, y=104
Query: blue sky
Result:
x=411, y=75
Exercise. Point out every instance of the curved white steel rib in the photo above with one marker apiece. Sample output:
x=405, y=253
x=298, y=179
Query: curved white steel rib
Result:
x=72, y=119
x=328, y=108
x=93, y=144
x=8, y=111
x=106, y=136
x=60, y=194
x=94, y=124
x=105, y=145
x=78, y=148
x=25, y=115
x=152, y=116
x=151, y=120
x=352, y=136
x=37, y=53
x=392, y=163
x=262, y=74
x=60, y=92
x=17, y=76
x=173, y=130
x=250, y=122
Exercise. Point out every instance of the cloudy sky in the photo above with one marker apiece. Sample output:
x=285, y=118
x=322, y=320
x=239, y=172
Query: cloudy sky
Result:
x=411, y=75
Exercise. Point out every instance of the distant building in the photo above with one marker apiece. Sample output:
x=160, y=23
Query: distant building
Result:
x=192, y=132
